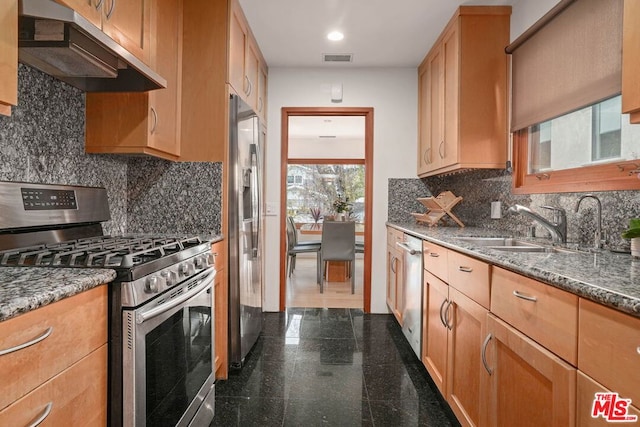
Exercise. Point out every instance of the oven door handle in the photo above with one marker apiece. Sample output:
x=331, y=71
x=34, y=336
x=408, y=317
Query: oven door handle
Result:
x=206, y=282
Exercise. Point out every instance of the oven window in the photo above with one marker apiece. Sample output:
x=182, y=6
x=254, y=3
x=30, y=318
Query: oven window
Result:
x=178, y=361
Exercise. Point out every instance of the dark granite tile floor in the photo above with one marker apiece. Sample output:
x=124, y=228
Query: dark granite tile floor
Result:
x=330, y=367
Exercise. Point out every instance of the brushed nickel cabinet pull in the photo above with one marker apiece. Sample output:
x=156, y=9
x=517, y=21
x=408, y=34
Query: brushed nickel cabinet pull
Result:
x=440, y=149
x=524, y=297
x=28, y=343
x=465, y=269
x=427, y=160
x=446, y=316
x=110, y=12
x=483, y=354
x=444, y=323
x=638, y=349
x=97, y=6
x=45, y=414
x=154, y=113
x=393, y=264
x=434, y=255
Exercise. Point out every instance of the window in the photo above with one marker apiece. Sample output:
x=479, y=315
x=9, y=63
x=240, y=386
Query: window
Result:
x=540, y=156
x=607, y=130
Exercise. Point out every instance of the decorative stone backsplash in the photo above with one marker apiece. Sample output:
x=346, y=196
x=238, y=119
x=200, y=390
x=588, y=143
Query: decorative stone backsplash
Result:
x=480, y=188
x=43, y=142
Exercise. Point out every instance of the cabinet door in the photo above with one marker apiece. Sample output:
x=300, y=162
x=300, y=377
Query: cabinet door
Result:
x=238, y=42
x=436, y=109
x=448, y=145
x=586, y=393
x=8, y=55
x=530, y=386
x=424, y=118
x=394, y=283
x=88, y=9
x=221, y=310
x=127, y=22
x=467, y=380
x=434, y=354
x=262, y=93
x=166, y=55
x=252, y=68
x=631, y=60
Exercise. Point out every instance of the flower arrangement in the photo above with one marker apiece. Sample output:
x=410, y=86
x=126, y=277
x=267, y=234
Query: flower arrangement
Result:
x=341, y=205
x=315, y=214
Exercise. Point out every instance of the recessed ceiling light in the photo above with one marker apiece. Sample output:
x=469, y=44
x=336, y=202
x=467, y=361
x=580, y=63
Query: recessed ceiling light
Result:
x=335, y=36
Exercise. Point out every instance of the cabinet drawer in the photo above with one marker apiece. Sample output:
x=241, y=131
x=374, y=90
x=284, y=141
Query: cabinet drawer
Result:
x=609, y=348
x=78, y=397
x=394, y=236
x=78, y=326
x=546, y=314
x=435, y=260
x=586, y=391
x=470, y=276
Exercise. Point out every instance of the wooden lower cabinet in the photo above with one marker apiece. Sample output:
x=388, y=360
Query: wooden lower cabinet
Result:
x=77, y=397
x=452, y=343
x=434, y=329
x=221, y=295
x=529, y=385
x=66, y=366
x=587, y=388
x=395, y=296
x=467, y=380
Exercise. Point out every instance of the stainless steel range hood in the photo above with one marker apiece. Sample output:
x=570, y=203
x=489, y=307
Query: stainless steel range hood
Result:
x=60, y=42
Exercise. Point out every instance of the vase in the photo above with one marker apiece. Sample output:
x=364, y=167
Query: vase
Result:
x=340, y=216
x=635, y=247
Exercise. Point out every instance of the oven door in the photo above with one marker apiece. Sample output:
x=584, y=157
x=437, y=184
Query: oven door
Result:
x=168, y=354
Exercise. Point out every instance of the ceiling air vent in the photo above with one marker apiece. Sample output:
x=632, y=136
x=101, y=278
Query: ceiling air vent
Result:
x=337, y=57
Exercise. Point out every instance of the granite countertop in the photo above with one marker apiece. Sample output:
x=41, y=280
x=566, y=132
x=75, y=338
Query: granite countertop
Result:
x=612, y=279
x=24, y=289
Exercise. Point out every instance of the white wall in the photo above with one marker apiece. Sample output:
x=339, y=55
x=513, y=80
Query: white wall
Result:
x=393, y=95
x=392, y=92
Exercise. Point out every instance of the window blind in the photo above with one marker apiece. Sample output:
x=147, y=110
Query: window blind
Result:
x=570, y=59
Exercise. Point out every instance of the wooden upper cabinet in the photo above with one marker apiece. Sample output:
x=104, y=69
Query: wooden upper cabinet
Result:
x=144, y=122
x=631, y=60
x=463, y=95
x=8, y=55
x=247, y=67
x=127, y=22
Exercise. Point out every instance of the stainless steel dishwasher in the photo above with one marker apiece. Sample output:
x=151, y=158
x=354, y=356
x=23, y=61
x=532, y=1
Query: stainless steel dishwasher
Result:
x=412, y=282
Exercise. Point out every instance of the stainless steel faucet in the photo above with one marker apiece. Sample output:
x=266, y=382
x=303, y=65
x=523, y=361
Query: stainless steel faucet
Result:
x=557, y=228
x=597, y=239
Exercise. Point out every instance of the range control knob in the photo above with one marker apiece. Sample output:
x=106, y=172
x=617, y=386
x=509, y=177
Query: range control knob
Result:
x=151, y=285
x=187, y=269
x=170, y=277
x=200, y=262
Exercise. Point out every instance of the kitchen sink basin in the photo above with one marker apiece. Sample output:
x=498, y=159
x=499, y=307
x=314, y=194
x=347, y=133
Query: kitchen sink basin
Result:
x=510, y=244
x=498, y=241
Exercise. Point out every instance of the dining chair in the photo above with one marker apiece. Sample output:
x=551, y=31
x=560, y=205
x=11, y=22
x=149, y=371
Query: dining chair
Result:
x=294, y=247
x=338, y=244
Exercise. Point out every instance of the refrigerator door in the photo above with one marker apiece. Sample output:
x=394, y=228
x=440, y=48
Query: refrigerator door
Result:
x=245, y=289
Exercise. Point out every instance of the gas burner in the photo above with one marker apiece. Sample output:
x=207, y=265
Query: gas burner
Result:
x=100, y=252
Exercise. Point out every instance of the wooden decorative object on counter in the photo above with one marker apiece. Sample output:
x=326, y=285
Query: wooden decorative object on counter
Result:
x=438, y=207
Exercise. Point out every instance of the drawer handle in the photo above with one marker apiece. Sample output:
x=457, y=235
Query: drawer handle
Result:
x=465, y=269
x=45, y=414
x=434, y=255
x=524, y=297
x=483, y=354
x=29, y=343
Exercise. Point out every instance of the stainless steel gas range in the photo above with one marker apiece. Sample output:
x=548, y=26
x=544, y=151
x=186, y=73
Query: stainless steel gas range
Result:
x=161, y=308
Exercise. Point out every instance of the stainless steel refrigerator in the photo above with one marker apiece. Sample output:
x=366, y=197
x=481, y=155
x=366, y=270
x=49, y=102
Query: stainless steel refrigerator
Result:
x=244, y=234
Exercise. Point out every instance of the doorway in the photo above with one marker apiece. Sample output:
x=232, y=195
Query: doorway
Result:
x=323, y=162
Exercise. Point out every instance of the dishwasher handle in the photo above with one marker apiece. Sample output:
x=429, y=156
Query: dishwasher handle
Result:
x=408, y=248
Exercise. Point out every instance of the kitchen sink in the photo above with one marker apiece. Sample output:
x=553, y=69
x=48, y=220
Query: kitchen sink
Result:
x=510, y=244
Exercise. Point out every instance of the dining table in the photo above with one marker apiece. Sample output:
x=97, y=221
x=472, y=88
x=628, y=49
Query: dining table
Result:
x=337, y=271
